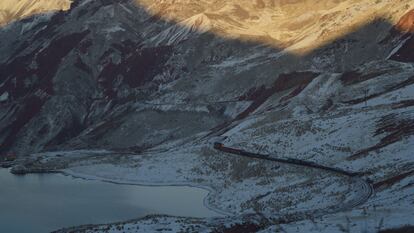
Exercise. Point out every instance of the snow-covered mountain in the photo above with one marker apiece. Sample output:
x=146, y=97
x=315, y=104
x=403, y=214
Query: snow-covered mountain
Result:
x=325, y=81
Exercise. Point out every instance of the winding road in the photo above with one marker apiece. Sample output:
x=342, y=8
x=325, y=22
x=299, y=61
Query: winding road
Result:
x=364, y=189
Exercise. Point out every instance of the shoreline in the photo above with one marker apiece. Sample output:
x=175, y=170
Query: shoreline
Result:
x=75, y=175
x=210, y=191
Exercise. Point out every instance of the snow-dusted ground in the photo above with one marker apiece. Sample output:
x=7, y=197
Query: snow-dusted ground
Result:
x=355, y=114
x=351, y=136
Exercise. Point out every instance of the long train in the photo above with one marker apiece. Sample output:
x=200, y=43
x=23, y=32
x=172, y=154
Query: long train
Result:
x=219, y=146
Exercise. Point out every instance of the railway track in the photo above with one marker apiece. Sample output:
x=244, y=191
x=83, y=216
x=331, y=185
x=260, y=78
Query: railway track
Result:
x=364, y=188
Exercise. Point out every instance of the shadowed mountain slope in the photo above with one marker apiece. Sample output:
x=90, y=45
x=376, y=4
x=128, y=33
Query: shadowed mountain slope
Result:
x=79, y=75
x=137, y=91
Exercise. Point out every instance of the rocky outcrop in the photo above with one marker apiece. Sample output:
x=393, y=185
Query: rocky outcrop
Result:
x=404, y=32
x=406, y=23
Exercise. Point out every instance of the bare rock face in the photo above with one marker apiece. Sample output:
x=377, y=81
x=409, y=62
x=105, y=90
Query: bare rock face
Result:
x=11, y=10
x=404, y=31
x=131, y=74
x=406, y=23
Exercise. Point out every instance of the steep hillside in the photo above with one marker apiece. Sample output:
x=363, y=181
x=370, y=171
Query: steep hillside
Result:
x=101, y=58
x=150, y=84
x=11, y=10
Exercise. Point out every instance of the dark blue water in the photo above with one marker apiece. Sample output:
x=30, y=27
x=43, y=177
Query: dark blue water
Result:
x=46, y=202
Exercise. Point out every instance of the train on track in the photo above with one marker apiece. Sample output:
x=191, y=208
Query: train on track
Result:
x=220, y=146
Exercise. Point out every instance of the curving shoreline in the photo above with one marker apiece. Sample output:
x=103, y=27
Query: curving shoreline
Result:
x=210, y=190
x=364, y=193
x=365, y=190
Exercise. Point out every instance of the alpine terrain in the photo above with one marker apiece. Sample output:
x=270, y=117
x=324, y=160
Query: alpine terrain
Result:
x=297, y=115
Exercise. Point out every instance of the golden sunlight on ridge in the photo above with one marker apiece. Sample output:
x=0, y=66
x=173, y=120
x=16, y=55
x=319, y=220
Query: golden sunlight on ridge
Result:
x=11, y=10
x=298, y=26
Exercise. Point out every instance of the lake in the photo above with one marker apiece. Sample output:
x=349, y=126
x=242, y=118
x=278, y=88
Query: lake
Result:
x=46, y=202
